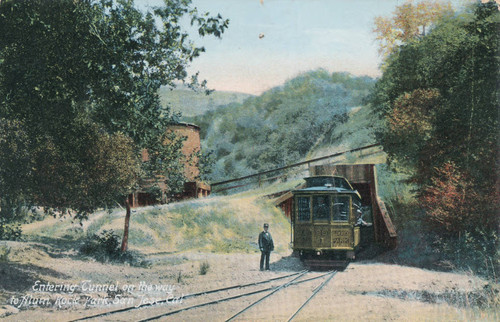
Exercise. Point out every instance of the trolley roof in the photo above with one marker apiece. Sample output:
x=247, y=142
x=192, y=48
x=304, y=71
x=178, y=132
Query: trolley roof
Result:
x=327, y=184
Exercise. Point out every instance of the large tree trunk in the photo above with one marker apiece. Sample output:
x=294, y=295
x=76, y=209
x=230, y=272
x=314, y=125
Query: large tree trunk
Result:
x=125, y=229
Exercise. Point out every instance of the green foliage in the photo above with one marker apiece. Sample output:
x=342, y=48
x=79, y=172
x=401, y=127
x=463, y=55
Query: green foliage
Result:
x=473, y=250
x=15, y=166
x=399, y=197
x=205, y=161
x=358, y=130
x=79, y=98
x=458, y=60
x=4, y=253
x=106, y=244
x=282, y=125
x=192, y=103
x=9, y=231
x=439, y=99
x=410, y=127
x=105, y=247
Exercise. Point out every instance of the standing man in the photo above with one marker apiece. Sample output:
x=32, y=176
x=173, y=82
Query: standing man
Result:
x=266, y=246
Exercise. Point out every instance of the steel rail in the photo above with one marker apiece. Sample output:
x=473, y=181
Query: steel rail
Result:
x=239, y=286
x=227, y=299
x=130, y=308
x=266, y=296
x=312, y=295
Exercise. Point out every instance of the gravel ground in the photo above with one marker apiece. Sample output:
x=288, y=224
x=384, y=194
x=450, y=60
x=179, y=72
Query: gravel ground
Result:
x=365, y=290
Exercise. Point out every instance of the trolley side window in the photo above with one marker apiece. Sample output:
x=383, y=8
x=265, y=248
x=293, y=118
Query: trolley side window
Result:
x=303, y=209
x=340, y=208
x=321, y=208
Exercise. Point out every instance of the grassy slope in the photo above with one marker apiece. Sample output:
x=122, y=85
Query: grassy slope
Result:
x=217, y=224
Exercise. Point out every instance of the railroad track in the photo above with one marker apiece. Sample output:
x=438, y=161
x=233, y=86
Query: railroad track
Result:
x=296, y=279
x=192, y=295
x=316, y=290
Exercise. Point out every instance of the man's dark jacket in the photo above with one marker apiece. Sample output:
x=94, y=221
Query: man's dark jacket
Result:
x=266, y=243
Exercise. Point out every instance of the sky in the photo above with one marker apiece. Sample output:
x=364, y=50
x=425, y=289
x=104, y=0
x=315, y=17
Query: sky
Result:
x=298, y=36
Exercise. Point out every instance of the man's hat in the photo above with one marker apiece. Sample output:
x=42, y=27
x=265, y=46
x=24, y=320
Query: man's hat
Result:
x=266, y=225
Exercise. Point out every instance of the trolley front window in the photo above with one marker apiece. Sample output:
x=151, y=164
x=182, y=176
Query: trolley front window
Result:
x=340, y=208
x=303, y=209
x=321, y=208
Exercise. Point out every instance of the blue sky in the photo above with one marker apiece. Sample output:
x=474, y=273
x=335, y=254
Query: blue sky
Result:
x=299, y=35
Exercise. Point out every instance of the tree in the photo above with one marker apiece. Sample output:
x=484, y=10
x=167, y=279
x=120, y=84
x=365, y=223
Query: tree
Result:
x=15, y=165
x=439, y=98
x=82, y=86
x=410, y=21
x=410, y=127
x=454, y=204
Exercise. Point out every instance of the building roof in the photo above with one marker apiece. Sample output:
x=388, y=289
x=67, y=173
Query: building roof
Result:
x=185, y=125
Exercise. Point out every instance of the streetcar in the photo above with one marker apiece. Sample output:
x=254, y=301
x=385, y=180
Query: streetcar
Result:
x=329, y=220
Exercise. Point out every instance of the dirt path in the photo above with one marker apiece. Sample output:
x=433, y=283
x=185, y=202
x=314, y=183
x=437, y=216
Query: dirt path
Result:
x=364, y=291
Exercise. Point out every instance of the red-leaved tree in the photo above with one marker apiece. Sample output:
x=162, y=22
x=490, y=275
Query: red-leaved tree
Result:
x=454, y=205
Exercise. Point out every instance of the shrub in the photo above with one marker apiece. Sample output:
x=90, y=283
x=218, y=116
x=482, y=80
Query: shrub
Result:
x=104, y=247
x=455, y=205
x=10, y=231
x=475, y=251
x=180, y=277
x=4, y=253
x=204, y=268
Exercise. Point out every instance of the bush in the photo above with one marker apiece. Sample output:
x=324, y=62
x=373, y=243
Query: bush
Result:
x=105, y=247
x=11, y=231
x=475, y=251
x=204, y=268
x=4, y=253
x=454, y=204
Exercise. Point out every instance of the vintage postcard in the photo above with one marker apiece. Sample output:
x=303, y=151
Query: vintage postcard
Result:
x=249, y=160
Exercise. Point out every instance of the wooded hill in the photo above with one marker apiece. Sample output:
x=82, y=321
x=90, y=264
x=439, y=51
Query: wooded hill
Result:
x=282, y=125
x=192, y=103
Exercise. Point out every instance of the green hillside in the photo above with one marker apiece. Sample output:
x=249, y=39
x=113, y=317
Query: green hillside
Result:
x=190, y=103
x=286, y=124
